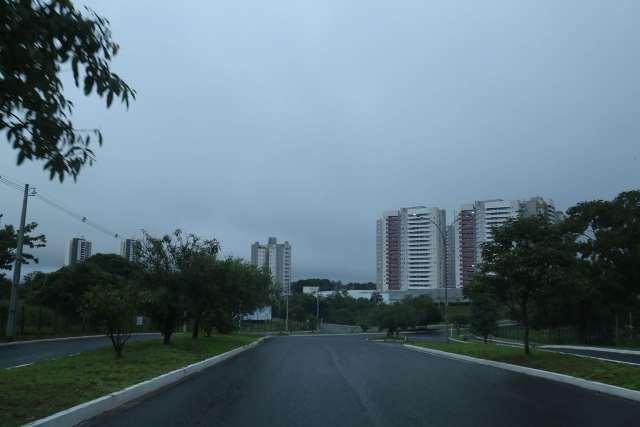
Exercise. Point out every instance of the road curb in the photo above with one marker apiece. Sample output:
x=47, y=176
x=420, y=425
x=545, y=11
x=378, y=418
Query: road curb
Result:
x=85, y=411
x=599, y=349
x=552, y=376
x=83, y=337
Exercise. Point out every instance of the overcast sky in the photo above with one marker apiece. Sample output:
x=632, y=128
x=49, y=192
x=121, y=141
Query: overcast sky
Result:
x=306, y=119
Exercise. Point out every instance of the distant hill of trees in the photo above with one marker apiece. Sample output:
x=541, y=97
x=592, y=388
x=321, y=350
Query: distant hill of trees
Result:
x=330, y=285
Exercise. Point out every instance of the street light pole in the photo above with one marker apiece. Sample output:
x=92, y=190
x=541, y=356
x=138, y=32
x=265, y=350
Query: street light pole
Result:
x=286, y=321
x=318, y=310
x=446, y=295
x=11, y=320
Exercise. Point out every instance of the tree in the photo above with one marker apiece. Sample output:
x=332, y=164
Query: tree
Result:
x=194, y=260
x=62, y=290
x=606, y=236
x=9, y=243
x=110, y=304
x=527, y=259
x=235, y=289
x=41, y=39
x=484, y=309
x=162, y=298
x=426, y=311
x=396, y=317
x=115, y=264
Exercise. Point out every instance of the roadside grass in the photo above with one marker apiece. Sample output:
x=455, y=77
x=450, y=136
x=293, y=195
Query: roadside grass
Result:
x=41, y=389
x=618, y=374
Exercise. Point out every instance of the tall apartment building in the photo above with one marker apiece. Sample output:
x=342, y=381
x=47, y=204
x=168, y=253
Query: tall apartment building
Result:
x=130, y=249
x=79, y=250
x=488, y=214
x=411, y=249
x=450, y=257
x=473, y=226
x=277, y=258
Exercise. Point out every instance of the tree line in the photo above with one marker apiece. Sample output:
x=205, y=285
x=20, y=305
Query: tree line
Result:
x=177, y=278
x=583, y=272
x=409, y=313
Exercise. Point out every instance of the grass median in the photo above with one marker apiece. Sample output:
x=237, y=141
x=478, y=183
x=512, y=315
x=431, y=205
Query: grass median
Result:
x=32, y=392
x=618, y=374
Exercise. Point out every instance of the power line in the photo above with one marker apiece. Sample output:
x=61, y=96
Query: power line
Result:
x=16, y=186
x=10, y=183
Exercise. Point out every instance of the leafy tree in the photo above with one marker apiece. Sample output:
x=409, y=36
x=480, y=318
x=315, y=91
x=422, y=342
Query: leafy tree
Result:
x=115, y=264
x=5, y=287
x=9, y=243
x=235, y=288
x=194, y=259
x=426, y=311
x=162, y=298
x=607, y=239
x=484, y=309
x=62, y=290
x=41, y=39
x=527, y=259
x=110, y=304
x=396, y=317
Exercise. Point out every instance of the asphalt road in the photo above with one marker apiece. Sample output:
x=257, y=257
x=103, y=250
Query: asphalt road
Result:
x=347, y=381
x=36, y=351
x=622, y=357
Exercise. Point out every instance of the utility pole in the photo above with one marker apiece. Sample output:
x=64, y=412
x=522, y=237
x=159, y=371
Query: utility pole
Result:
x=446, y=295
x=11, y=321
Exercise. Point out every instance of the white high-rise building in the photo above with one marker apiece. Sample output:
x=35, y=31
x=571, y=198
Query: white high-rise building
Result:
x=130, y=249
x=473, y=225
x=79, y=250
x=411, y=249
x=277, y=258
x=490, y=213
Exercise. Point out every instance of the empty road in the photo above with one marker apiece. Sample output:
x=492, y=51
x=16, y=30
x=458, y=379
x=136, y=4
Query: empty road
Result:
x=17, y=354
x=347, y=381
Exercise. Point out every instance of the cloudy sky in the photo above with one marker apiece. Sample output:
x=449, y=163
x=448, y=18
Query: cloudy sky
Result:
x=306, y=119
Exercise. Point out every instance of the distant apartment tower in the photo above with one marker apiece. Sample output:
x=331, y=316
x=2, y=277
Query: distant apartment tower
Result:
x=411, y=249
x=130, y=249
x=473, y=225
x=464, y=246
x=277, y=258
x=450, y=257
x=488, y=214
x=79, y=250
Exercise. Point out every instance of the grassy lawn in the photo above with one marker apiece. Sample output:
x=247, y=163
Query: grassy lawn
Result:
x=35, y=391
x=595, y=370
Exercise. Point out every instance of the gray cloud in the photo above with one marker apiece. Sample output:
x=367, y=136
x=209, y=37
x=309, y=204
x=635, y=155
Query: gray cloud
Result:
x=305, y=120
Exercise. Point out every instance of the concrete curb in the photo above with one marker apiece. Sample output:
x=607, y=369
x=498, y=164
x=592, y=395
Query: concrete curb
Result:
x=600, y=349
x=552, y=376
x=69, y=339
x=550, y=350
x=85, y=411
x=335, y=335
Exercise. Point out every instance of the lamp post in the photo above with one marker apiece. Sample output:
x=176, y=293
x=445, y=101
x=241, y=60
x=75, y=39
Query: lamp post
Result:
x=318, y=310
x=286, y=321
x=446, y=295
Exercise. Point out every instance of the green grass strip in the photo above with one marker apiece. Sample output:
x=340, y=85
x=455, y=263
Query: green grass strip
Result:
x=39, y=390
x=627, y=376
